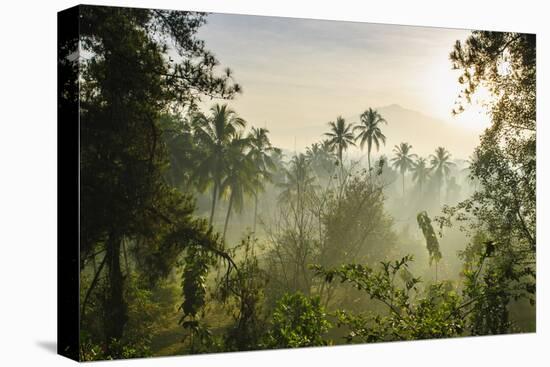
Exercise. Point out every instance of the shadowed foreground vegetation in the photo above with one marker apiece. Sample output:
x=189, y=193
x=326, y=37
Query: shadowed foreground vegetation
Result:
x=198, y=235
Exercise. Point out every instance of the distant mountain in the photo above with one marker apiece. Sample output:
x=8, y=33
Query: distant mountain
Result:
x=423, y=132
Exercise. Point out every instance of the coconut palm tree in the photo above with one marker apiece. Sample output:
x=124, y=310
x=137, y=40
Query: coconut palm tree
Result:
x=241, y=176
x=278, y=174
x=369, y=131
x=340, y=138
x=261, y=153
x=441, y=166
x=321, y=158
x=298, y=179
x=182, y=152
x=213, y=134
x=403, y=160
x=421, y=172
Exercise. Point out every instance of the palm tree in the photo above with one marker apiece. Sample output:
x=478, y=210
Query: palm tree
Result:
x=441, y=166
x=241, y=175
x=421, y=172
x=321, y=158
x=369, y=131
x=298, y=179
x=340, y=138
x=261, y=152
x=213, y=134
x=278, y=174
x=403, y=160
x=182, y=152
x=471, y=164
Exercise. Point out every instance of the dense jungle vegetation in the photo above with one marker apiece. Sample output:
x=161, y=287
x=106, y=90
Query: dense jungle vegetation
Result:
x=199, y=235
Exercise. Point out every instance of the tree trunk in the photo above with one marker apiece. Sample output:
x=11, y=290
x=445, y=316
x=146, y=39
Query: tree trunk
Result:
x=214, y=196
x=368, y=156
x=255, y=212
x=125, y=257
x=115, y=313
x=90, y=289
x=403, y=174
x=228, y=215
x=439, y=191
x=341, y=166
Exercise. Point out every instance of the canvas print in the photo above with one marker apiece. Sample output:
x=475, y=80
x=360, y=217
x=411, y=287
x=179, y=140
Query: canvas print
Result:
x=250, y=182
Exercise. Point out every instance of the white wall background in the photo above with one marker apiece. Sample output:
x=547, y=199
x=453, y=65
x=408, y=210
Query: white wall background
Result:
x=28, y=182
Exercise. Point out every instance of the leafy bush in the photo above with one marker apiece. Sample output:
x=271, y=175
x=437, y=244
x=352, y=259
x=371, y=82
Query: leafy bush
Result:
x=298, y=321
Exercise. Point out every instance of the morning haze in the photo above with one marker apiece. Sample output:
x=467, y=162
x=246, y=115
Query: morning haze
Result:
x=299, y=74
x=204, y=232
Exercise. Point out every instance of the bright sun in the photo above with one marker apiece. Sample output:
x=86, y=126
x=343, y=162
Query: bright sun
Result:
x=444, y=90
x=475, y=115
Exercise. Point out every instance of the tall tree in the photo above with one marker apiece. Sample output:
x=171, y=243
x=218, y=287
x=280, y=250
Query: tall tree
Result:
x=126, y=83
x=292, y=229
x=340, y=138
x=441, y=166
x=421, y=172
x=369, y=131
x=403, y=160
x=261, y=152
x=183, y=153
x=298, y=179
x=213, y=134
x=322, y=158
x=241, y=175
x=505, y=160
x=503, y=207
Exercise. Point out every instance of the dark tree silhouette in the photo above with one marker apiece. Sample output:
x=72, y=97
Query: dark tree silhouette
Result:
x=421, y=172
x=403, y=160
x=369, y=131
x=241, y=175
x=261, y=152
x=441, y=166
x=340, y=138
x=214, y=133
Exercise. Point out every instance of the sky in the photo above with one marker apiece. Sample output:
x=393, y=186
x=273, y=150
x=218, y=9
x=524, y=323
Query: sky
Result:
x=299, y=74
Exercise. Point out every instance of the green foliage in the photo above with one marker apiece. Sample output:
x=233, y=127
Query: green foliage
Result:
x=298, y=321
x=243, y=294
x=492, y=282
x=196, y=265
x=113, y=350
x=146, y=148
x=261, y=154
x=127, y=85
x=503, y=208
x=195, y=270
x=294, y=233
x=504, y=163
x=356, y=225
x=412, y=314
x=181, y=149
x=432, y=244
x=213, y=134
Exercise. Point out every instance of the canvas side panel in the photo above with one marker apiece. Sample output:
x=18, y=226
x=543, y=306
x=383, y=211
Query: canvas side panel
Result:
x=68, y=184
